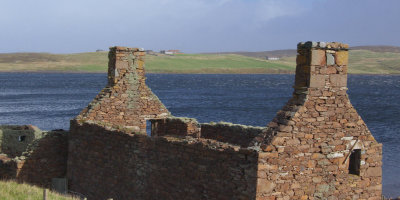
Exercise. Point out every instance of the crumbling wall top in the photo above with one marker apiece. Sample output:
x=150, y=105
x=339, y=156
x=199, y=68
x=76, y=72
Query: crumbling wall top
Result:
x=323, y=45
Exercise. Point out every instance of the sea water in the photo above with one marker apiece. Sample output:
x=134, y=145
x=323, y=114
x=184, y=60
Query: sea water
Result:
x=49, y=101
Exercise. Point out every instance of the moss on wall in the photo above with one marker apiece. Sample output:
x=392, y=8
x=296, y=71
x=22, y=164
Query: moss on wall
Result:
x=14, y=139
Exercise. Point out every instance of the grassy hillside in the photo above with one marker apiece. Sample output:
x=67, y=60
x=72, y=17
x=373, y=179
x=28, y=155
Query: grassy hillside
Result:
x=215, y=63
x=81, y=62
x=361, y=62
x=12, y=190
x=365, y=62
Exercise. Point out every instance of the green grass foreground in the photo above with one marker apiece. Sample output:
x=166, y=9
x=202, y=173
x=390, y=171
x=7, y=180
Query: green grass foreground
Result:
x=361, y=62
x=12, y=190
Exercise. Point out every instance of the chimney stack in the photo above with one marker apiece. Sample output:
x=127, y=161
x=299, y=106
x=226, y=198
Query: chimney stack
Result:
x=124, y=60
x=321, y=66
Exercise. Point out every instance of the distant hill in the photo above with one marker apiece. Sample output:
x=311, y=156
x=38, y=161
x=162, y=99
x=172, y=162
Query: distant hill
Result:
x=382, y=49
x=293, y=52
x=362, y=59
x=264, y=54
x=28, y=57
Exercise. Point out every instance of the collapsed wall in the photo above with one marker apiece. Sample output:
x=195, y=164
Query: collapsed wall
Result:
x=111, y=156
x=318, y=146
x=14, y=139
x=32, y=156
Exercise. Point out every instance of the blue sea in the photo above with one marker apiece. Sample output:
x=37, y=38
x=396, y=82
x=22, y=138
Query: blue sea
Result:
x=49, y=101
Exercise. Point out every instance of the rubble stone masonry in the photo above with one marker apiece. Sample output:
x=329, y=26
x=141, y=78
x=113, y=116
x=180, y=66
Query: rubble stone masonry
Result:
x=317, y=146
x=107, y=163
x=126, y=100
x=310, y=149
x=41, y=155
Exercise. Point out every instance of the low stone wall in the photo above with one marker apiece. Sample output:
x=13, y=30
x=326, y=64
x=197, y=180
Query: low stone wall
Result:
x=178, y=126
x=235, y=134
x=231, y=133
x=157, y=167
x=8, y=168
x=15, y=139
x=43, y=159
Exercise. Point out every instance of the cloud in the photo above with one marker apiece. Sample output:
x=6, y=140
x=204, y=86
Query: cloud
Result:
x=190, y=25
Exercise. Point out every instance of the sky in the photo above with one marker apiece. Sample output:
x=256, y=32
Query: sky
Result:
x=193, y=26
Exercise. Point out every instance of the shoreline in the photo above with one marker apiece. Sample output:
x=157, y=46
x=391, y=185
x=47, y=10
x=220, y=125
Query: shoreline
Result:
x=188, y=73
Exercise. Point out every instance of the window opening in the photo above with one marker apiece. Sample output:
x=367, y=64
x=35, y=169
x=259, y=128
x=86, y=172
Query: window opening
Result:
x=21, y=138
x=148, y=127
x=355, y=162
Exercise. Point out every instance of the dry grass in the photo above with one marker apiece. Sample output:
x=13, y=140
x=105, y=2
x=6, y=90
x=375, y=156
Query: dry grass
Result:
x=15, y=191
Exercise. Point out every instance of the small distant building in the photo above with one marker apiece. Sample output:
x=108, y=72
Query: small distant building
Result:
x=170, y=52
x=174, y=51
x=272, y=58
x=99, y=50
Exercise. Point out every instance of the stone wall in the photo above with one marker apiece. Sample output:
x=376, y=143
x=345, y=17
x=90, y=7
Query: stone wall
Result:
x=178, y=126
x=317, y=146
x=126, y=100
x=42, y=160
x=108, y=163
x=15, y=139
x=310, y=144
x=231, y=133
x=235, y=134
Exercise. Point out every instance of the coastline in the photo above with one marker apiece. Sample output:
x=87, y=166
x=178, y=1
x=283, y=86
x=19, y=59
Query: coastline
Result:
x=188, y=73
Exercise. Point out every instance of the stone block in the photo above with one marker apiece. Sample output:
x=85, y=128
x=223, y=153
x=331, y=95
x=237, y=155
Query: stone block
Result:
x=338, y=80
x=317, y=81
x=293, y=142
x=309, y=136
x=265, y=186
x=342, y=57
x=331, y=70
x=120, y=64
x=374, y=172
x=317, y=179
x=335, y=155
x=318, y=57
x=330, y=59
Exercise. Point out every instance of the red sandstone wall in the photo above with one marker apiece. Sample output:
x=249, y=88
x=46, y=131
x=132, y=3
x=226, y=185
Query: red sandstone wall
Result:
x=111, y=164
x=8, y=168
x=126, y=101
x=234, y=134
x=303, y=153
x=313, y=135
x=177, y=126
x=231, y=133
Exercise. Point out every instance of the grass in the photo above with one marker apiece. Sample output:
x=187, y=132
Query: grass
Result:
x=361, y=62
x=212, y=63
x=12, y=190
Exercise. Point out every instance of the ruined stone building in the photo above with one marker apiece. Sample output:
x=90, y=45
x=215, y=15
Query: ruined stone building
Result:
x=317, y=146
